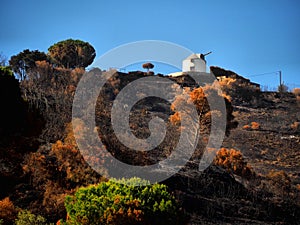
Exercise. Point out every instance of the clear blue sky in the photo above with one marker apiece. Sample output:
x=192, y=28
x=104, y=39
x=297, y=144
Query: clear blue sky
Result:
x=248, y=37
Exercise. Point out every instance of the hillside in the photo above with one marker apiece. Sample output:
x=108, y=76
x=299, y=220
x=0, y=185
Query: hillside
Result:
x=275, y=145
x=40, y=161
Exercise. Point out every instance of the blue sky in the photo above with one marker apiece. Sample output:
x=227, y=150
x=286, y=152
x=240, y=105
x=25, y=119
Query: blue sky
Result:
x=248, y=37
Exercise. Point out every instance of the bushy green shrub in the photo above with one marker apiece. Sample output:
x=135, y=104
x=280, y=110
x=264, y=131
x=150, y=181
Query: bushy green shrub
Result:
x=122, y=202
x=27, y=218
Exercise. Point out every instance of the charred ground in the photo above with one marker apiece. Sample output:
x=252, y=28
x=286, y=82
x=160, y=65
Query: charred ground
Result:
x=40, y=162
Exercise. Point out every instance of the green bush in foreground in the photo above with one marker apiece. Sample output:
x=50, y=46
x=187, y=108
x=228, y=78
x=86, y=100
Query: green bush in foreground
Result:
x=120, y=202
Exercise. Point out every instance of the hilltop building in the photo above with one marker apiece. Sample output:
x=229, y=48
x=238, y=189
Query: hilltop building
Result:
x=194, y=63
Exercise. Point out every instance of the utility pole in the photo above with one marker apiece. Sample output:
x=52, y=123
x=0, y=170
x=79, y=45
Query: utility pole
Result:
x=280, y=78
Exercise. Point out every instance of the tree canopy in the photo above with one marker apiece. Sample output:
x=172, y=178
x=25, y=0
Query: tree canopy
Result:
x=148, y=66
x=72, y=53
x=23, y=62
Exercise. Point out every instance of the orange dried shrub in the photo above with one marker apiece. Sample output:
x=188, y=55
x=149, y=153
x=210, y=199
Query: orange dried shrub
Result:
x=8, y=212
x=255, y=126
x=70, y=161
x=195, y=97
x=190, y=99
x=233, y=161
x=35, y=165
x=227, y=81
x=296, y=91
x=252, y=126
x=228, y=85
x=185, y=104
x=246, y=127
x=62, y=164
x=175, y=118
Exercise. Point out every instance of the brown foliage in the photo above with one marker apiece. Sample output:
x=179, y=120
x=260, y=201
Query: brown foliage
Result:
x=175, y=118
x=246, y=127
x=198, y=98
x=61, y=163
x=71, y=162
x=53, y=199
x=296, y=91
x=8, y=212
x=133, y=215
x=232, y=160
x=255, y=126
x=252, y=126
x=238, y=88
x=56, y=170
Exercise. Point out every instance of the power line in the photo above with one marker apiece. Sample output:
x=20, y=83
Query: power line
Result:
x=263, y=74
x=275, y=73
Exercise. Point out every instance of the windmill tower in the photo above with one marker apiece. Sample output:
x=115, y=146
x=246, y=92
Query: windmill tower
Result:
x=195, y=63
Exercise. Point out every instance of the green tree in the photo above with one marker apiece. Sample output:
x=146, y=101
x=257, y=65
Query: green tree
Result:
x=122, y=203
x=24, y=62
x=72, y=53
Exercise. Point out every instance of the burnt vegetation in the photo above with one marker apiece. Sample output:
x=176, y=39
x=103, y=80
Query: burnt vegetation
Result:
x=254, y=178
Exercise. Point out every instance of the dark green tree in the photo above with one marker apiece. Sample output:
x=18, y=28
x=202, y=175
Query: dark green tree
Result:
x=23, y=62
x=72, y=54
